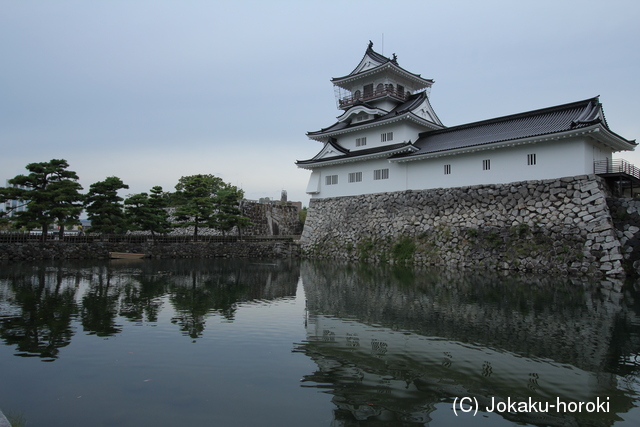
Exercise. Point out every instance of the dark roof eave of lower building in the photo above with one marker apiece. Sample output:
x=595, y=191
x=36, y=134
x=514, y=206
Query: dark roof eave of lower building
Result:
x=351, y=159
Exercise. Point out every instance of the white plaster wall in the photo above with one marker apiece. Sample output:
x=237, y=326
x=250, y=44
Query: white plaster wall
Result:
x=554, y=159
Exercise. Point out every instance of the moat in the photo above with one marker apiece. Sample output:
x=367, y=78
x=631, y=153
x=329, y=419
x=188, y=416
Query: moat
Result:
x=267, y=342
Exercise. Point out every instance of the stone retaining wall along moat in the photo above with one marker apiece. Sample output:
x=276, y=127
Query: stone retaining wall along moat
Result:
x=560, y=225
x=30, y=251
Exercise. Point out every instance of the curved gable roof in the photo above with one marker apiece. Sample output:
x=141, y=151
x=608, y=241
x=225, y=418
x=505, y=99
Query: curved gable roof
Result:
x=372, y=62
x=412, y=103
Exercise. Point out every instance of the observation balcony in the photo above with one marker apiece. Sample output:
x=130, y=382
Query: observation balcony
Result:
x=388, y=91
x=621, y=176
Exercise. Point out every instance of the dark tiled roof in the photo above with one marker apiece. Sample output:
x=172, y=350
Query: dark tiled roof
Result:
x=348, y=154
x=410, y=104
x=518, y=126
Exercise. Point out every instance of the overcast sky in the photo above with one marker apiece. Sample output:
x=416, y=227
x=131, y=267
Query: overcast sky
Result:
x=150, y=91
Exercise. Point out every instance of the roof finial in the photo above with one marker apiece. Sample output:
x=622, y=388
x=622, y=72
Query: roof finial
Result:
x=370, y=44
x=394, y=58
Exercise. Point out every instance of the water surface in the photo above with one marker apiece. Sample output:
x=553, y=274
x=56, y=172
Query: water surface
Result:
x=283, y=343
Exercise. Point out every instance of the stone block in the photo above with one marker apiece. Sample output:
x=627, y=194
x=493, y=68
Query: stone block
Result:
x=592, y=198
x=606, y=266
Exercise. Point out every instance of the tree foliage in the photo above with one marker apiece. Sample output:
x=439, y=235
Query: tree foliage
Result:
x=50, y=193
x=104, y=206
x=228, y=213
x=206, y=200
x=196, y=193
x=146, y=212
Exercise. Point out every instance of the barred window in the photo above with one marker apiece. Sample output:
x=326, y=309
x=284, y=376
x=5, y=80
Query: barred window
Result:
x=486, y=165
x=387, y=136
x=355, y=177
x=381, y=174
x=361, y=141
x=531, y=159
x=331, y=179
x=447, y=169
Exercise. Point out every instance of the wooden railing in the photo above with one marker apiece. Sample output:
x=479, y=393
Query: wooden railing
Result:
x=615, y=166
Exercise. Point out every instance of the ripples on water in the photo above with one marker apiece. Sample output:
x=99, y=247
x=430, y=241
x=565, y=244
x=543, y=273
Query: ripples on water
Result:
x=261, y=342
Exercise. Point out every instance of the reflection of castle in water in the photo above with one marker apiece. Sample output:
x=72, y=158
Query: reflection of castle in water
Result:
x=391, y=346
x=39, y=303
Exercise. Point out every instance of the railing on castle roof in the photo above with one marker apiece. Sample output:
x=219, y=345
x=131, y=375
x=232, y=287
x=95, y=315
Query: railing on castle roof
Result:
x=389, y=90
x=21, y=237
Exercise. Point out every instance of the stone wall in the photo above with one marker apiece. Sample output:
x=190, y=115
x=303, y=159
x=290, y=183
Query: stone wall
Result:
x=625, y=213
x=561, y=225
x=271, y=219
x=268, y=219
x=99, y=250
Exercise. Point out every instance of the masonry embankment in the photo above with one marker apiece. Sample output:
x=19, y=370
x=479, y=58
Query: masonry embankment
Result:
x=560, y=225
x=100, y=250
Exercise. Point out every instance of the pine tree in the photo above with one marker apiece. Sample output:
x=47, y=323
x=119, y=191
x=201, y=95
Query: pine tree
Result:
x=196, y=193
x=146, y=212
x=49, y=193
x=104, y=206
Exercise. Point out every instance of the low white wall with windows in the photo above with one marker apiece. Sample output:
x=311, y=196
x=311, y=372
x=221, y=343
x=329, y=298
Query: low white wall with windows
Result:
x=545, y=160
x=542, y=160
x=334, y=180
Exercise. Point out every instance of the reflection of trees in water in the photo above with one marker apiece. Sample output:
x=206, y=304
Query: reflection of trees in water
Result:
x=219, y=287
x=39, y=301
x=45, y=308
x=140, y=299
x=100, y=303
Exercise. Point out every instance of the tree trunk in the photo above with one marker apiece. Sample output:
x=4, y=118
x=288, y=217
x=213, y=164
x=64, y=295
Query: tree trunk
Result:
x=61, y=234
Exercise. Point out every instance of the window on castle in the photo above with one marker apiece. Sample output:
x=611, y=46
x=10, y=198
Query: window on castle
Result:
x=361, y=141
x=355, y=177
x=400, y=90
x=486, y=165
x=368, y=90
x=356, y=95
x=381, y=174
x=447, y=169
x=387, y=136
x=380, y=88
x=531, y=159
x=331, y=179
